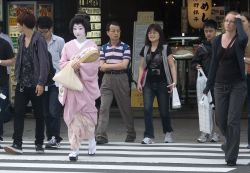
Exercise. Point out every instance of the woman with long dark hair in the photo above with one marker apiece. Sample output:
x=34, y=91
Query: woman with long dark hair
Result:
x=157, y=60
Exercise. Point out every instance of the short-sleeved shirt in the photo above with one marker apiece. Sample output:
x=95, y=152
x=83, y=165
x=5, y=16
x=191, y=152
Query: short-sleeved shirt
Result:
x=114, y=55
x=6, y=52
x=156, y=72
x=55, y=47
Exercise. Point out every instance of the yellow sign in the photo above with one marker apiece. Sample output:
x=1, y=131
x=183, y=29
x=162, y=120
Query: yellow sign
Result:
x=145, y=16
x=137, y=99
x=12, y=21
x=198, y=12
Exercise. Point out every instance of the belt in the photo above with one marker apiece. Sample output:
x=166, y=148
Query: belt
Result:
x=116, y=72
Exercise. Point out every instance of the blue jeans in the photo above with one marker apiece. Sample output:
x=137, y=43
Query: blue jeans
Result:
x=159, y=90
x=248, y=106
x=4, y=90
x=52, y=109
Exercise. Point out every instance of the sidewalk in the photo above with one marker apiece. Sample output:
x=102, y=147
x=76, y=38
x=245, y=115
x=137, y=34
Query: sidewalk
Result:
x=185, y=129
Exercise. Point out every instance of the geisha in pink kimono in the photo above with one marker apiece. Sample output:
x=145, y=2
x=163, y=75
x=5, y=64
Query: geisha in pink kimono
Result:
x=80, y=113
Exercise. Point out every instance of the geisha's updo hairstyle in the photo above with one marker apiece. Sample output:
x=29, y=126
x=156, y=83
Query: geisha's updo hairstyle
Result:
x=80, y=18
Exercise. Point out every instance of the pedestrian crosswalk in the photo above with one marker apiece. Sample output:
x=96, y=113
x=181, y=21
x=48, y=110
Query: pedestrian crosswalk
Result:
x=122, y=157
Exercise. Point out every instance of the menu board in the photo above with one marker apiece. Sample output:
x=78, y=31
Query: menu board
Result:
x=14, y=9
x=93, y=9
x=218, y=14
x=45, y=10
x=1, y=10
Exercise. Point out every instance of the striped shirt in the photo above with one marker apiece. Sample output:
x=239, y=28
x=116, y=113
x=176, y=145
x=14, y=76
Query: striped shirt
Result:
x=114, y=55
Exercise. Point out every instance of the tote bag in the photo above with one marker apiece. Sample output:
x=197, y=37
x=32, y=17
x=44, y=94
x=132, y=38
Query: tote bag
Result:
x=205, y=114
x=205, y=110
x=176, y=103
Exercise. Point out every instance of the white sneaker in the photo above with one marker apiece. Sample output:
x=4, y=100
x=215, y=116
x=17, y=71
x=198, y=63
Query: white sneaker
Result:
x=215, y=137
x=92, y=147
x=169, y=137
x=73, y=156
x=147, y=140
x=203, y=137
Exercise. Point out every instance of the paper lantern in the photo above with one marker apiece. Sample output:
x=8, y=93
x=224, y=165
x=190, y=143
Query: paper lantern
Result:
x=198, y=12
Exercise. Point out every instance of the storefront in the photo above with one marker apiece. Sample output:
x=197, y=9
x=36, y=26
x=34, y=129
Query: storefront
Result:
x=170, y=13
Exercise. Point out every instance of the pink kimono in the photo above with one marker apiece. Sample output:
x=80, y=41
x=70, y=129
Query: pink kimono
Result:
x=80, y=113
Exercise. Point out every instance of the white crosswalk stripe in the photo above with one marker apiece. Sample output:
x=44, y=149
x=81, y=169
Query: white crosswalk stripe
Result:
x=122, y=157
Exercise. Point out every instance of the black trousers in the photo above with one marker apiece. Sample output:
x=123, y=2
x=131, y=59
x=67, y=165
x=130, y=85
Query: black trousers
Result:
x=22, y=97
x=229, y=101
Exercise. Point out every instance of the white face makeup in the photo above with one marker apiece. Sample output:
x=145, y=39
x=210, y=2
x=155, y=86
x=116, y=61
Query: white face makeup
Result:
x=79, y=32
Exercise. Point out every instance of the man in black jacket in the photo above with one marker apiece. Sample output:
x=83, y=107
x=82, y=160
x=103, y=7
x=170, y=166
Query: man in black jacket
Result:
x=31, y=72
x=202, y=60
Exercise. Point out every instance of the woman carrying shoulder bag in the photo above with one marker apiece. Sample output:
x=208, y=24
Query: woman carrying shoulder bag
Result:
x=227, y=76
x=159, y=80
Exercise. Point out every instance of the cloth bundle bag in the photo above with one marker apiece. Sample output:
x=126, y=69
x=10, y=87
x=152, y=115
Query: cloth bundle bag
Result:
x=205, y=108
x=67, y=76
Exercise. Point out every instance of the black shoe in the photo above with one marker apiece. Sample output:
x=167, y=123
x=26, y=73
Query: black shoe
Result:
x=231, y=163
x=130, y=138
x=101, y=140
x=13, y=149
x=248, y=146
x=39, y=149
x=1, y=138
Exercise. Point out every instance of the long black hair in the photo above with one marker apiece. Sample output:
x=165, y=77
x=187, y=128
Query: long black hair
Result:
x=157, y=28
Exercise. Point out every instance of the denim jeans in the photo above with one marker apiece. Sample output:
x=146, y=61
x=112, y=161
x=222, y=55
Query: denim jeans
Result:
x=159, y=90
x=248, y=107
x=52, y=113
x=229, y=101
x=22, y=97
x=4, y=90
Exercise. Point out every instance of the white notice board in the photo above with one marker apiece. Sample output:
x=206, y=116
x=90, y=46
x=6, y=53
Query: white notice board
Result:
x=138, y=42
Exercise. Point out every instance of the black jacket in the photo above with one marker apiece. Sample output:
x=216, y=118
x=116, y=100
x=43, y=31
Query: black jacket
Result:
x=40, y=58
x=203, y=57
x=240, y=45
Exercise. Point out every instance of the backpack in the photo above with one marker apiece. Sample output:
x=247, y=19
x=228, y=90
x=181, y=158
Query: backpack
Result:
x=52, y=70
x=129, y=68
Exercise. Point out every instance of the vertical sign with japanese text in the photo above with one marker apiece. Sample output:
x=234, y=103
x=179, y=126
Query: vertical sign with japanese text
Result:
x=93, y=9
x=198, y=12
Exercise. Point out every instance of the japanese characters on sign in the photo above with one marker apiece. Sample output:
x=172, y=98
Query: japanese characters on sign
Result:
x=93, y=8
x=198, y=12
